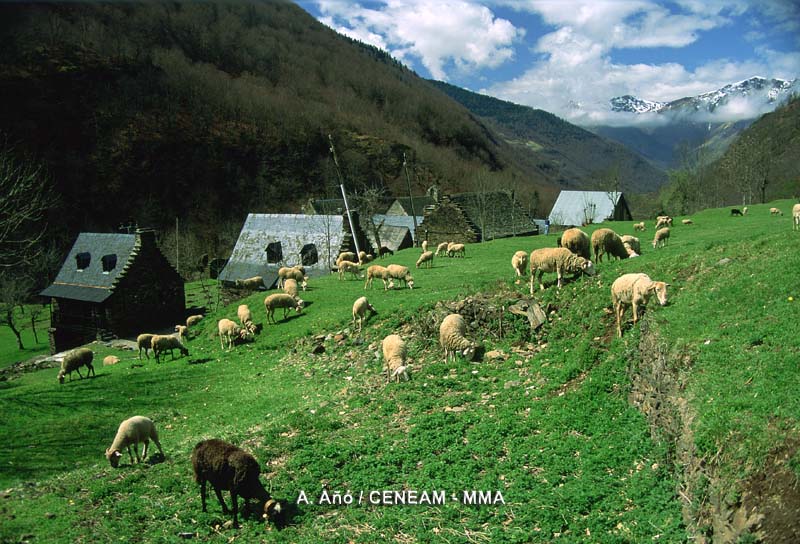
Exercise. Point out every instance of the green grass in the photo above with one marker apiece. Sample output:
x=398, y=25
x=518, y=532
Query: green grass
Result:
x=550, y=428
x=9, y=349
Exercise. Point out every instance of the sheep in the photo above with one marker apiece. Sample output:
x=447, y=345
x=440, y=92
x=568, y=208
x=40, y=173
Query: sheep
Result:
x=576, y=241
x=452, y=339
x=775, y=211
x=639, y=226
x=290, y=287
x=256, y=282
x=796, y=217
x=110, y=360
x=607, y=242
x=377, y=271
x=441, y=249
x=394, y=355
x=281, y=300
x=744, y=210
x=144, y=341
x=295, y=273
x=74, y=360
x=735, y=212
x=663, y=221
x=183, y=332
x=661, y=238
x=193, y=320
x=400, y=372
x=228, y=331
x=244, y=314
x=687, y=222
x=558, y=260
x=519, y=262
x=162, y=343
x=228, y=467
x=364, y=258
x=635, y=290
x=348, y=267
x=360, y=307
x=632, y=245
x=400, y=273
x=424, y=246
x=132, y=431
x=425, y=259
x=455, y=250
x=384, y=251
x=346, y=256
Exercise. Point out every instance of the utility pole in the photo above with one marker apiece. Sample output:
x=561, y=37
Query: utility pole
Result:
x=411, y=198
x=344, y=196
x=177, y=248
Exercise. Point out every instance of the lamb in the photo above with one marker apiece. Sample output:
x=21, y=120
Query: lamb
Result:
x=290, y=287
x=400, y=273
x=452, y=339
x=558, y=260
x=384, y=251
x=144, y=341
x=193, y=320
x=687, y=222
x=632, y=245
x=364, y=258
x=424, y=246
x=661, y=238
x=775, y=211
x=348, y=267
x=455, y=250
x=635, y=290
x=441, y=249
x=281, y=300
x=425, y=259
x=519, y=262
x=228, y=331
x=256, y=282
x=228, y=467
x=110, y=360
x=639, y=226
x=607, y=242
x=162, y=343
x=736, y=211
x=74, y=360
x=394, y=356
x=663, y=221
x=576, y=241
x=132, y=431
x=295, y=273
x=796, y=217
x=360, y=308
x=346, y=256
x=377, y=271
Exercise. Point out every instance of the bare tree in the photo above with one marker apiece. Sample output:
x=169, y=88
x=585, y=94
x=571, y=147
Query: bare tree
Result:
x=14, y=291
x=370, y=202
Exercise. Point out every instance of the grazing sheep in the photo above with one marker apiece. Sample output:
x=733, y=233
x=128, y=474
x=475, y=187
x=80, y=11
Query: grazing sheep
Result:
x=425, y=259
x=744, y=210
x=424, y=246
x=281, y=300
x=74, y=360
x=377, y=271
x=360, y=308
x=162, y=343
x=183, y=332
x=144, y=341
x=607, y=242
x=348, y=267
x=110, y=360
x=193, y=320
x=228, y=467
x=452, y=338
x=295, y=273
x=456, y=250
x=384, y=251
x=400, y=273
x=635, y=290
x=244, y=314
x=576, y=241
x=775, y=211
x=632, y=243
x=796, y=217
x=558, y=260
x=256, y=282
x=639, y=226
x=519, y=262
x=229, y=331
x=661, y=238
x=663, y=221
x=394, y=354
x=133, y=431
x=364, y=258
x=290, y=287
x=687, y=222
x=736, y=211
x=441, y=249
x=346, y=256
x=400, y=372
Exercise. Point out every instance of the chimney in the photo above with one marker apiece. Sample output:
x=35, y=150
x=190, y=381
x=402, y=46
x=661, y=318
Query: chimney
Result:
x=146, y=237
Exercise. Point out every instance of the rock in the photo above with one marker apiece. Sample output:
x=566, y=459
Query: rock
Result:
x=339, y=337
x=723, y=262
x=49, y=515
x=319, y=348
x=496, y=354
x=510, y=384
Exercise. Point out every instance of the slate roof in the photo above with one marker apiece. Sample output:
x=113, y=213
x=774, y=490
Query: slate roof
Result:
x=335, y=206
x=406, y=221
x=92, y=284
x=574, y=207
x=420, y=202
x=293, y=231
x=496, y=214
x=392, y=237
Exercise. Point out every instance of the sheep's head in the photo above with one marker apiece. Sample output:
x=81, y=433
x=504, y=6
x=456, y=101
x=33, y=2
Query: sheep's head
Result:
x=588, y=268
x=60, y=376
x=410, y=281
x=304, y=283
x=113, y=457
x=660, y=290
x=272, y=510
x=469, y=352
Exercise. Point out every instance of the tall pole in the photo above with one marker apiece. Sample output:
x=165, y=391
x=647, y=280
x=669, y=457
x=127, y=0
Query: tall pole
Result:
x=177, y=248
x=411, y=198
x=344, y=196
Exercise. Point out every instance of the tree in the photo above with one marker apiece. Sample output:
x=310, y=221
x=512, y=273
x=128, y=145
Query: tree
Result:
x=14, y=291
x=369, y=203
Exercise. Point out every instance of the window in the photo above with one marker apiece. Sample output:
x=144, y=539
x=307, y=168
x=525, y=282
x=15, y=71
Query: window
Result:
x=308, y=255
x=274, y=252
x=109, y=262
x=83, y=260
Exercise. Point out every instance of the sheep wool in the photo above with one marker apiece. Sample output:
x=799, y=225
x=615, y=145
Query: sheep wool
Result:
x=425, y=259
x=145, y=342
x=796, y=217
x=281, y=300
x=132, y=432
x=394, y=353
x=607, y=242
x=244, y=314
x=639, y=226
x=360, y=308
x=577, y=242
x=635, y=290
x=519, y=262
x=456, y=250
x=162, y=343
x=297, y=273
x=377, y=271
x=424, y=246
x=661, y=238
x=441, y=248
x=348, y=267
x=558, y=260
x=290, y=287
x=228, y=331
x=74, y=360
x=256, y=282
x=452, y=338
x=193, y=320
x=400, y=273
x=110, y=360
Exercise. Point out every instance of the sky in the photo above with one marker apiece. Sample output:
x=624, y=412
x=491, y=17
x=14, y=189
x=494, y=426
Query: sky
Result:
x=570, y=57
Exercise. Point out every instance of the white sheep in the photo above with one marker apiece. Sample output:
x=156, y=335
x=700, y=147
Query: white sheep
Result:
x=377, y=271
x=577, y=242
x=744, y=210
x=110, y=360
x=639, y=226
x=456, y=250
x=607, y=242
x=133, y=431
x=453, y=340
x=663, y=221
x=661, y=238
x=558, y=260
x=281, y=300
x=348, y=267
x=441, y=249
x=632, y=245
x=346, y=256
x=796, y=217
x=424, y=246
x=229, y=331
x=364, y=258
x=256, y=282
x=296, y=273
x=360, y=308
x=635, y=290
x=394, y=354
x=290, y=287
x=162, y=343
x=775, y=211
x=687, y=222
x=400, y=372
x=244, y=314
x=193, y=320
x=425, y=259
x=144, y=342
x=519, y=262
x=74, y=360
x=400, y=273
x=183, y=332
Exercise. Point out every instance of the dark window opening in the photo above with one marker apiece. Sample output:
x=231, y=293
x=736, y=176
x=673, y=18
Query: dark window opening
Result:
x=274, y=252
x=83, y=260
x=309, y=255
x=109, y=262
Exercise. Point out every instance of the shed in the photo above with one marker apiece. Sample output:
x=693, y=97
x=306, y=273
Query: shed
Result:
x=392, y=237
x=113, y=285
x=406, y=221
x=576, y=208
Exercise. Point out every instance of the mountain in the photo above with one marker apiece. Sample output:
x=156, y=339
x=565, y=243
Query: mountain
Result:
x=571, y=156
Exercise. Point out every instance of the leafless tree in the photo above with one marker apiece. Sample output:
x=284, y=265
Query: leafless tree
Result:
x=371, y=201
x=14, y=291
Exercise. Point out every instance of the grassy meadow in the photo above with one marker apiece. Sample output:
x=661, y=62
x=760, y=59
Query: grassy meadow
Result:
x=545, y=425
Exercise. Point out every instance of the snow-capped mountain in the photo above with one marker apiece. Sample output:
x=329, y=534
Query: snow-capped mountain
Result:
x=631, y=104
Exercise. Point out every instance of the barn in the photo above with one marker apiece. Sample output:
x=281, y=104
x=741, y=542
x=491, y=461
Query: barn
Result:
x=576, y=208
x=113, y=285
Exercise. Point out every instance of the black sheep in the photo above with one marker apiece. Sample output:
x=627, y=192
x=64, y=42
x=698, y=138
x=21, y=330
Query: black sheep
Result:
x=231, y=468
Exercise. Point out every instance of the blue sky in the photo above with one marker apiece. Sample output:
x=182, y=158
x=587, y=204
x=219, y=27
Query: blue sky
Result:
x=571, y=56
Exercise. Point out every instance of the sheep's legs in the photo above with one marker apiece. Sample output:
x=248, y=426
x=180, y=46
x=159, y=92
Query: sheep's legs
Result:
x=235, y=502
x=144, y=449
x=131, y=455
